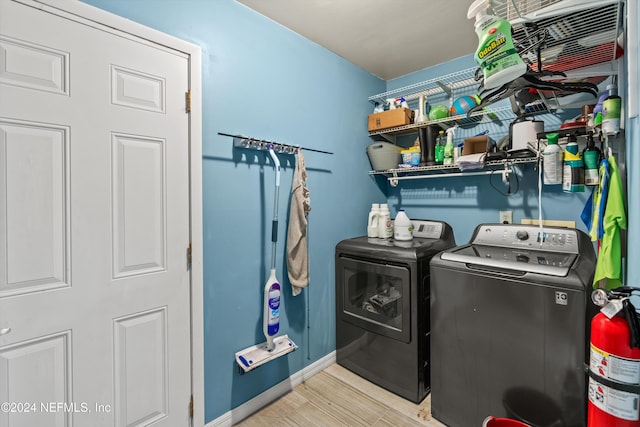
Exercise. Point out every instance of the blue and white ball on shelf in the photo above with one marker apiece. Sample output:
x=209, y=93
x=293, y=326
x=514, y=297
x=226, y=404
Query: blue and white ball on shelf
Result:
x=462, y=105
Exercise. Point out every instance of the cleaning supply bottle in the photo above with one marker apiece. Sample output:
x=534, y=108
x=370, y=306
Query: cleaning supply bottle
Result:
x=448, y=148
x=573, y=168
x=439, y=149
x=271, y=320
x=422, y=104
x=402, y=227
x=496, y=54
x=611, y=107
x=591, y=158
x=372, y=224
x=385, y=230
x=457, y=152
x=552, y=159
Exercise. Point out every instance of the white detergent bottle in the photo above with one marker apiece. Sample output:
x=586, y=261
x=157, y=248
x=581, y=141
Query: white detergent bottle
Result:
x=385, y=230
x=552, y=158
x=496, y=54
x=372, y=224
x=402, y=227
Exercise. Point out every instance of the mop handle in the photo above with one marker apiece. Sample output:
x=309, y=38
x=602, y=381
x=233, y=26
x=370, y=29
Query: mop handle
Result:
x=274, y=223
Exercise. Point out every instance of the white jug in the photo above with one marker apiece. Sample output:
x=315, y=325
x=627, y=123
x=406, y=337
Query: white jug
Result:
x=402, y=227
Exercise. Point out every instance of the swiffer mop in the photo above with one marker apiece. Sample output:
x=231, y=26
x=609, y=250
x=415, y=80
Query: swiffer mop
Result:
x=257, y=355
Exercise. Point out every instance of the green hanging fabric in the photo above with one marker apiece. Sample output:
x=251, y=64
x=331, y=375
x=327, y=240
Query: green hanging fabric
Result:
x=609, y=263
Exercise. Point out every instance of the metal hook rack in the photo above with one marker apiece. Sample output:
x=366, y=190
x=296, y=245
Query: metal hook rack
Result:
x=263, y=145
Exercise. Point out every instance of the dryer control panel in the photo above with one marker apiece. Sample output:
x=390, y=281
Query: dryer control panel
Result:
x=427, y=229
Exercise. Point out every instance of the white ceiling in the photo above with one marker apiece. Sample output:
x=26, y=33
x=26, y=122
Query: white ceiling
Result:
x=388, y=38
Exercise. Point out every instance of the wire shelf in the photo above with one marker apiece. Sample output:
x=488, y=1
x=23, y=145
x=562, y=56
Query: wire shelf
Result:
x=445, y=171
x=580, y=33
x=487, y=116
x=433, y=87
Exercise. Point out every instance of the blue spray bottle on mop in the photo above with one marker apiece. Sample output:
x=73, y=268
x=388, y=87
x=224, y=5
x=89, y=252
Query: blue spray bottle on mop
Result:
x=271, y=322
x=271, y=318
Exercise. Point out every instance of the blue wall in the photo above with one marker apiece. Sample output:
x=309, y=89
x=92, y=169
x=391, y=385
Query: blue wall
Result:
x=262, y=80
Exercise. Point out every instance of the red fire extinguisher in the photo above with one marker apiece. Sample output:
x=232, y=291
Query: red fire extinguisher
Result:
x=614, y=366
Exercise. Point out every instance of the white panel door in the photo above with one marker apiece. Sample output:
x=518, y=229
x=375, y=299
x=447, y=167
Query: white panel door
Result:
x=94, y=226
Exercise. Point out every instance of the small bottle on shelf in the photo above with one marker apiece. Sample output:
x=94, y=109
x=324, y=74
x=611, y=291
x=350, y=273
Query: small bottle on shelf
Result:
x=448, y=148
x=439, y=149
x=611, y=107
x=591, y=158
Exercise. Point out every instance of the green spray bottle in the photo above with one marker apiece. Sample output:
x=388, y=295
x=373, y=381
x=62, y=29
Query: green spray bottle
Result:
x=496, y=54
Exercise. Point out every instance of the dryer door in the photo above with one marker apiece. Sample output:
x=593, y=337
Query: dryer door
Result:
x=374, y=296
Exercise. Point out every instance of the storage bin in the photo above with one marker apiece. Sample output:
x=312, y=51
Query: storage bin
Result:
x=383, y=156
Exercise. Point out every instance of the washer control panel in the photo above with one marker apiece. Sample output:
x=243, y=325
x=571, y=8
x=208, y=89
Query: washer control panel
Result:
x=531, y=237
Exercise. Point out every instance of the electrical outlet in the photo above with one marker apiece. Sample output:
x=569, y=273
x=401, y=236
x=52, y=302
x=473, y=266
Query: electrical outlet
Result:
x=506, y=217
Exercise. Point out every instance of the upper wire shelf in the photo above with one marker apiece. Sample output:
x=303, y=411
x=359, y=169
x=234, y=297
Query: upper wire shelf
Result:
x=582, y=33
x=433, y=87
x=582, y=42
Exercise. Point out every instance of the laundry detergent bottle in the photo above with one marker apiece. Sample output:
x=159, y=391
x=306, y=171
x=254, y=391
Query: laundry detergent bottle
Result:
x=385, y=230
x=496, y=54
x=374, y=217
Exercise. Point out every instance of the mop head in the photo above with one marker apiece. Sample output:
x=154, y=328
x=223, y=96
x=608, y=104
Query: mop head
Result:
x=257, y=355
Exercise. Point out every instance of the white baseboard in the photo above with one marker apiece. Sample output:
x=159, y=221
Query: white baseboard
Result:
x=263, y=399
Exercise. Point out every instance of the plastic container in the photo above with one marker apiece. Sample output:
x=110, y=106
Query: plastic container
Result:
x=496, y=54
x=411, y=156
x=531, y=408
x=372, y=224
x=502, y=422
x=611, y=107
x=384, y=155
x=428, y=137
x=552, y=160
x=402, y=227
x=385, y=231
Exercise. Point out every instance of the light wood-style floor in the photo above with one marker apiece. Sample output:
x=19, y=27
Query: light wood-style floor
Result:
x=338, y=397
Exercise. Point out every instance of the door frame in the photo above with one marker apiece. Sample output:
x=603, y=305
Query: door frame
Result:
x=106, y=21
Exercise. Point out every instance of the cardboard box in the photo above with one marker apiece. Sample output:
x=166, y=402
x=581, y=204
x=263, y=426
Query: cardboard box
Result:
x=390, y=118
x=475, y=145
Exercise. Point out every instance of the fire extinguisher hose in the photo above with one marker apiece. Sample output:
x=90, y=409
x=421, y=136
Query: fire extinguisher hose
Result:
x=631, y=316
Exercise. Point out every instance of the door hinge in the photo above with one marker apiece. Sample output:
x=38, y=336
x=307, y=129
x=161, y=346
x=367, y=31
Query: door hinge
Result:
x=191, y=407
x=187, y=98
x=189, y=257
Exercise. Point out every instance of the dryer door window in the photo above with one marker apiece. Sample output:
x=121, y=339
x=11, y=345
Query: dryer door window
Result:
x=375, y=296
